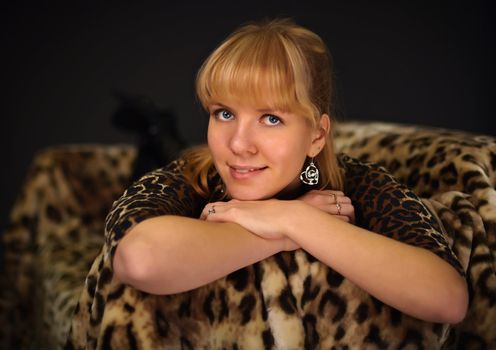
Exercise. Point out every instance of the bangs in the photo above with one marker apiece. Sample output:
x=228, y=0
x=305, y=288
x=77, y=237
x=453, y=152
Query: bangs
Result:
x=259, y=71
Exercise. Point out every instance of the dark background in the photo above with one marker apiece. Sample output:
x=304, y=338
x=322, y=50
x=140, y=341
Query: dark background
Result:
x=424, y=62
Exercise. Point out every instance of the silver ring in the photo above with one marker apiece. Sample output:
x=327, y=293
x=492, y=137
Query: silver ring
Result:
x=339, y=208
x=211, y=210
x=335, y=197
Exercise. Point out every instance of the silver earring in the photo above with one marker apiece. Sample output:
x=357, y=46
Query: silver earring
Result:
x=311, y=174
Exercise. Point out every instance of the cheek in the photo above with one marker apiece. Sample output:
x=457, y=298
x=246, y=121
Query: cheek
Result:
x=210, y=134
x=291, y=154
x=214, y=141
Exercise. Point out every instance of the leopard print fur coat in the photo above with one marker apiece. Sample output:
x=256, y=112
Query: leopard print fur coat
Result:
x=288, y=301
x=55, y=233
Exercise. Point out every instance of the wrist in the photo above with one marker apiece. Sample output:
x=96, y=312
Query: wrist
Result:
x=295, y=211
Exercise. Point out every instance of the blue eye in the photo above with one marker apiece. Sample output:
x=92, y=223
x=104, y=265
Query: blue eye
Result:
x=223, y=114
x=271, y=120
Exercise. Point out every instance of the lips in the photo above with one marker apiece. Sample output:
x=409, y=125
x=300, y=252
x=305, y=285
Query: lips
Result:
x=246, y=169
x=245, y=172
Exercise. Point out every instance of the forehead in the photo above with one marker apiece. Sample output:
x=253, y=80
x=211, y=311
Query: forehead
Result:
x=262, y=100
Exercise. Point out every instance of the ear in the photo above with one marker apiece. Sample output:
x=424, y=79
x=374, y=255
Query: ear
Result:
x=319, y=135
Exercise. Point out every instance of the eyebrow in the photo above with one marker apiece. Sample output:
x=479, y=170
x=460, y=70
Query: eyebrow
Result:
x=220, y=105
x=260, y=110
x=267, y=110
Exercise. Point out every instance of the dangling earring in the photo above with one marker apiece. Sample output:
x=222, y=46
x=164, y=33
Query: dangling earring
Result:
x=311, y=174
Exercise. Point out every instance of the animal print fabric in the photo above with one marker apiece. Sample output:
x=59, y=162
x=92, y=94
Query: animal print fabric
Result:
x=56, y=226
x=455, y=173
x=53, y=236
x=288, y=301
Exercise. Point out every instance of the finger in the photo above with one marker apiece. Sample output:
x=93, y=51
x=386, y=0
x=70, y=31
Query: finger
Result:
x=339, y=197
x=343, y=218
x=344, y=200
x=348, y=212
x=332, y=196
x=337, y=193
x=342, y=209
x=210, y=209
x=204, y=213
x=221, y=213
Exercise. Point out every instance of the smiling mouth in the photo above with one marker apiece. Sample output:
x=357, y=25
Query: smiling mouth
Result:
x=246, y=170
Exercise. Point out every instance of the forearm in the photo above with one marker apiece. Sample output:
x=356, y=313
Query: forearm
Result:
x=408, y=278
x=172, y=254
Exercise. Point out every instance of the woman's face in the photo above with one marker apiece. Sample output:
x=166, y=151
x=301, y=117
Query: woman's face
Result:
x=259, y=152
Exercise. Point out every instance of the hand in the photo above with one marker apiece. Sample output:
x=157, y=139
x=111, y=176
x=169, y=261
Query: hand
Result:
x=332, y=202
x=265, y=218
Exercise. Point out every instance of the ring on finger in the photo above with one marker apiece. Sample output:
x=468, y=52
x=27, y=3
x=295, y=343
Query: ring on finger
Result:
x=211, y=210
x=338, y=206
x=335, y=197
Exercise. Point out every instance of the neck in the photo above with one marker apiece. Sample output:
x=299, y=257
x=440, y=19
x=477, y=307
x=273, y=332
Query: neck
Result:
x=288, y=194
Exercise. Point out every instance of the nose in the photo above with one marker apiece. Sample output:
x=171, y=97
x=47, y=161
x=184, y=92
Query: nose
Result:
x=243, y=141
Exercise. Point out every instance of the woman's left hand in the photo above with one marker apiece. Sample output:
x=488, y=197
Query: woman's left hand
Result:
x=268, y=218
x=332, y=202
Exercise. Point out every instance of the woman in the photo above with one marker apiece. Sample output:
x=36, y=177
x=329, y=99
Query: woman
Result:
x=269, y=182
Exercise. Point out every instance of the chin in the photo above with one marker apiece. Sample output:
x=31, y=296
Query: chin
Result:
x=249, y=195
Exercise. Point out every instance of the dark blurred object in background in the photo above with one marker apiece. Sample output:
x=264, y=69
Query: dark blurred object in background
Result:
x=158, y=141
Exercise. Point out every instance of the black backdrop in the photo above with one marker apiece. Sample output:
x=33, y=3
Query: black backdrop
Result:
x=424, y=62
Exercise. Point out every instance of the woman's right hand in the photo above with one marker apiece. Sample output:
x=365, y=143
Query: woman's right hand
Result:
x=263, y=218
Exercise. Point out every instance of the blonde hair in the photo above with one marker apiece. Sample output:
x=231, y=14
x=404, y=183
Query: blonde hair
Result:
x=275, y=62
